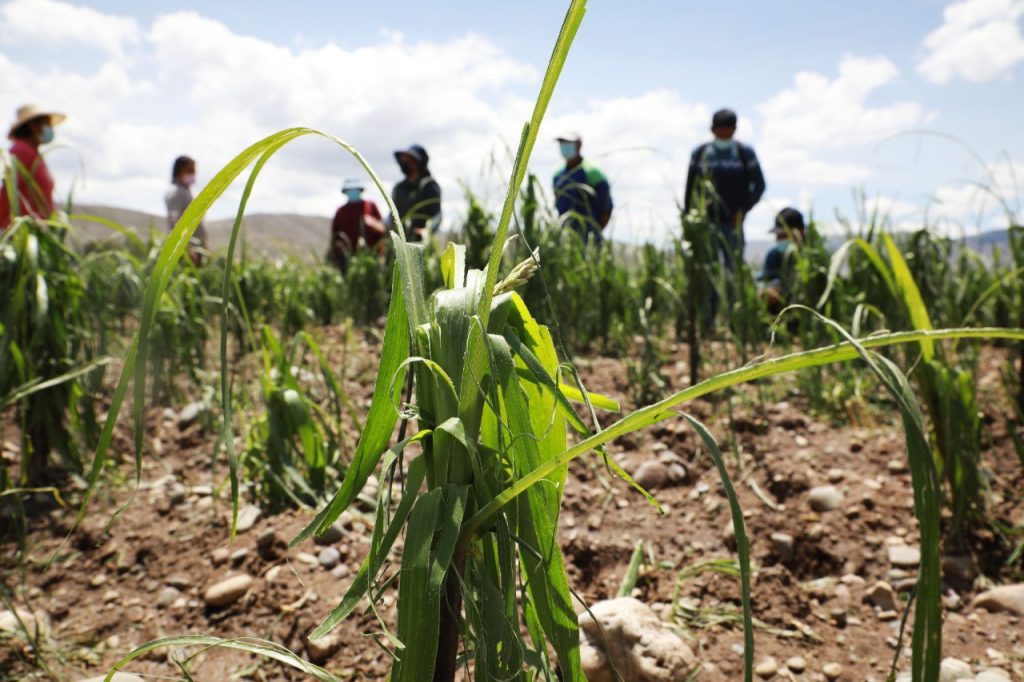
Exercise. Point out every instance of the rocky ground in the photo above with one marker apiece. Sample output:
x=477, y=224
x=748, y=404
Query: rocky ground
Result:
x=829, y=511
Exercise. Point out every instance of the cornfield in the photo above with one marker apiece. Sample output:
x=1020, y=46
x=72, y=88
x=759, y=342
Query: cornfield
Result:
x=460, y=458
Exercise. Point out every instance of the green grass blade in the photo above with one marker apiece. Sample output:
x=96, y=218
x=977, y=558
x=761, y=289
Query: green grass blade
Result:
x=910, y=294
x=250, y=645
x=742, y=544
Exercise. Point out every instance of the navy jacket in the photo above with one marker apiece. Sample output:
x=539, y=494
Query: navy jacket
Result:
x=736, y=175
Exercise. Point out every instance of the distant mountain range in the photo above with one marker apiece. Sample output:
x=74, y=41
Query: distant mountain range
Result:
x=305, y=237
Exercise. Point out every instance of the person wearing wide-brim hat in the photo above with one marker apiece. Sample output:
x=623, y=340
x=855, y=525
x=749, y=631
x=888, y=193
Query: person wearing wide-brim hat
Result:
x=417, y=196
x=778, y=275
x=357, y=224
x=33, y=194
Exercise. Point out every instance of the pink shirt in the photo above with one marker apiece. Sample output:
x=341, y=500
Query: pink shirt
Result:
x=35, y=197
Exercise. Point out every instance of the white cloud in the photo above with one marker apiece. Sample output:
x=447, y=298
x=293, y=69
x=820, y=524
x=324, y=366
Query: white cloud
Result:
x=979, y=40
x=993, y=200
x=818, y=115
x=54, y=24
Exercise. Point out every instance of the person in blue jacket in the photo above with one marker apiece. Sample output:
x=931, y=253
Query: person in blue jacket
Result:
x=735, y=184
x=583, y=197
x=777, y=277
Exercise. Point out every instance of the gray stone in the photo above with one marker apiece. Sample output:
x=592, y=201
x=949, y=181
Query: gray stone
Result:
x=824, y=498
x=952, y=669
x=783, y=544
x=247, y=517
x=904, y=556
x=627, y=634
x=320, y=650
x=339, y=571
x=832, y=671
x=329, y=557
x=332, y=535
x=1003, y=598
x=767, y=668
x=227, y=591
x=182, y=582
x=219, y=555
x=238, y=556
x=651, y=475
x=190, y=413
x=677, y=473
x=168, y=596
x=797, y=664
x=881, y=595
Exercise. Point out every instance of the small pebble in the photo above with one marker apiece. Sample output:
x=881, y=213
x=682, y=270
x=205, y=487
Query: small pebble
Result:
x=329, y=557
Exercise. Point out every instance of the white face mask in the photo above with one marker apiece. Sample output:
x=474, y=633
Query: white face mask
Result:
x=722, y=145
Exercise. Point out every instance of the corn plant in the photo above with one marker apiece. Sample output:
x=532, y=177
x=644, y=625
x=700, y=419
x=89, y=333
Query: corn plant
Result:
x=44, y=339
x=294, y=445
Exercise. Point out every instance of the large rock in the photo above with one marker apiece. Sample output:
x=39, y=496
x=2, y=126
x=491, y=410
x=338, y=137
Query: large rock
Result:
x=651, y=475
x=882, y=596
x=1003, y=598
x=628, y=635
x=953, y=669
x=824, y=498
x=227, y=591
x=904, y=556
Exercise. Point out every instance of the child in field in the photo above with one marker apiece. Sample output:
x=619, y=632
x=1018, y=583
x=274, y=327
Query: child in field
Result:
x=776, y=278
x=177, y=199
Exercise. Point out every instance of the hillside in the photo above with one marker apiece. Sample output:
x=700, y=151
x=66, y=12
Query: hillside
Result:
x=301, y=236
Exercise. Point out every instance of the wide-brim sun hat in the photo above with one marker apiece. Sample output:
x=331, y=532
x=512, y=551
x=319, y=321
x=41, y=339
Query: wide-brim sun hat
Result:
x=416, y=152
x=30, y=112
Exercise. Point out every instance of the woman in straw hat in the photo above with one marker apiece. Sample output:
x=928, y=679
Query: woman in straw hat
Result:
x=33, y=193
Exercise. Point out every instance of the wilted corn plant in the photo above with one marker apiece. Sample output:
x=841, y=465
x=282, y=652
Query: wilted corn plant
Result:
x=487, y=462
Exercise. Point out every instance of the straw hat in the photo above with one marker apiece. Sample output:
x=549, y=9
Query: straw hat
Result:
x=30, y=112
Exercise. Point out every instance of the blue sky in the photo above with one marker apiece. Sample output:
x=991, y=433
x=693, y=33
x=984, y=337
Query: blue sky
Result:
x=834, y=97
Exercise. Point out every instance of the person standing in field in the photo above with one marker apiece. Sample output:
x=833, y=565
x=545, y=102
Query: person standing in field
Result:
x=734, y=184
x=583, y=196
x=32, y=191
x=357, y=224
x=417, y=196
x=777, y=277
x=177, y=199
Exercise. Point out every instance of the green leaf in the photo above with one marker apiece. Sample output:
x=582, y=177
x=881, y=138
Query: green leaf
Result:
x=380, y=421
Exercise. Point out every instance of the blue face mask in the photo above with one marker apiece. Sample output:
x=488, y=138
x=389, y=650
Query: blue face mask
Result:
x=722, y=145
x=46, y=135
x=353, y=194
x=568, y=150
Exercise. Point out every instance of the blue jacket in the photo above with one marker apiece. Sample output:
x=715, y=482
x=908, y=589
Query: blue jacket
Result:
x=583, y=192
x=735, y=174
